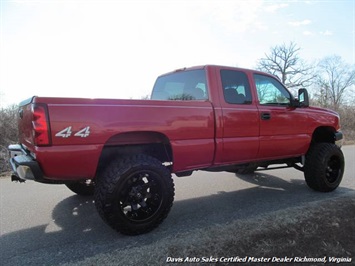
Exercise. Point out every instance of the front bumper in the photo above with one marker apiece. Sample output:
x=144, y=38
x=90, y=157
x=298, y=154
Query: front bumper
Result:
x=338, y=139
x=24, y=166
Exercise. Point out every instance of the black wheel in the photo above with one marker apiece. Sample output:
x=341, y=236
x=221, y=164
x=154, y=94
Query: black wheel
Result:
x=324, y=167
x=135, y=194
x=83, y=188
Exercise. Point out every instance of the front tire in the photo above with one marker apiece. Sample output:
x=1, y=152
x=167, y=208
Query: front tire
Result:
x=135, y=194
x=324, y=167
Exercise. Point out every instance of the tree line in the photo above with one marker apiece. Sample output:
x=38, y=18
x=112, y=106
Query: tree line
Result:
x=330, y=82
x=8, y=133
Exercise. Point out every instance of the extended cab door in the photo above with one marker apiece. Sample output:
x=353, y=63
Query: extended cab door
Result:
x=282, y=127
x=239, y=121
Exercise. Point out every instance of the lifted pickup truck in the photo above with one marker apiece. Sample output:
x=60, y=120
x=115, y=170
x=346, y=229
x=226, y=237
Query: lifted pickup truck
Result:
x=211, y=118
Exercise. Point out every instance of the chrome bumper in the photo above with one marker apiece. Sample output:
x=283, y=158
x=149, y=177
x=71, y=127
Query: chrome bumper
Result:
x=338, y=139
x=24, y=166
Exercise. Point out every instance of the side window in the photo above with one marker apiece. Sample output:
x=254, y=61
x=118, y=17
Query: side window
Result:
x=181, y=86
x=271, y=91
x=236, y=87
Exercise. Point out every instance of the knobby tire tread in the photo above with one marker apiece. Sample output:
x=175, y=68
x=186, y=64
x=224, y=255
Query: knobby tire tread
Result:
x=106, y=185
x=314, y=169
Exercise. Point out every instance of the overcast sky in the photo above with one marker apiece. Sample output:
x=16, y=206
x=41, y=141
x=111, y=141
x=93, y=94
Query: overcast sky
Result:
x=116, y=49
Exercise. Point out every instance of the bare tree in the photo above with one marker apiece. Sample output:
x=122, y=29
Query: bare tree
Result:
x=284, y=62
x=335, y=81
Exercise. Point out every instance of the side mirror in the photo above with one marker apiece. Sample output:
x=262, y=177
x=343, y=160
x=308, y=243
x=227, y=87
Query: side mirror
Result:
x=303, y=99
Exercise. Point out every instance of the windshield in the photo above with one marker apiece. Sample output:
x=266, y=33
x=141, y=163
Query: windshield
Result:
x=183, y=86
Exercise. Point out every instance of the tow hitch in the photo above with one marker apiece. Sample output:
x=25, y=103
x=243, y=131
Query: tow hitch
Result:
x=15, y=178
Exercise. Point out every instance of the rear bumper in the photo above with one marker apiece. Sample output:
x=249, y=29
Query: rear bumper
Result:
x=54, y=165
x=24, y=166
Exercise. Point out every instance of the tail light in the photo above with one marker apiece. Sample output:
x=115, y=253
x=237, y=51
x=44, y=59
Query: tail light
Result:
x=40, y=125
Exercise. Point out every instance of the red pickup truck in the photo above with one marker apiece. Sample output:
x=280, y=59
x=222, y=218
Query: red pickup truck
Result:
x=211, y=118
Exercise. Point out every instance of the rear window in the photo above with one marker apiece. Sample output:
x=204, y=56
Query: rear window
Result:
x=181, y=86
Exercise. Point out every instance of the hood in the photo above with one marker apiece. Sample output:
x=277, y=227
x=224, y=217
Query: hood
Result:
x=323, y=110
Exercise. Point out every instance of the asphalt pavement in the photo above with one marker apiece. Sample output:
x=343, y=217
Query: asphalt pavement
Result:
x=49, y=225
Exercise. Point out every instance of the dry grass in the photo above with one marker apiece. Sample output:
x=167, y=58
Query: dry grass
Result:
x=6, y=174
x=315, y=230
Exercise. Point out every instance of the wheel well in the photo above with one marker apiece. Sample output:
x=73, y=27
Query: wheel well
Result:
x=153, y=144
x=323, y=134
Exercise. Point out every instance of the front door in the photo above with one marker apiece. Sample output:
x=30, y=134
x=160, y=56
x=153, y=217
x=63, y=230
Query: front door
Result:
x=282, y=127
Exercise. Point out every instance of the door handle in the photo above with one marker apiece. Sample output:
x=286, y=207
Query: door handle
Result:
x=265, y=116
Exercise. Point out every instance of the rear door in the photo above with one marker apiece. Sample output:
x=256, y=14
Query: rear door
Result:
x=240, y=119
x=282, y=127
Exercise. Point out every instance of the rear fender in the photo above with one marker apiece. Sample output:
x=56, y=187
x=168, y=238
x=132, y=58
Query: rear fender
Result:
x=154, y=144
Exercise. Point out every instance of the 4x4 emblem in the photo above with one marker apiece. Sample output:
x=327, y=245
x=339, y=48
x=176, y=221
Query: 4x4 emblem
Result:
x=67, y=132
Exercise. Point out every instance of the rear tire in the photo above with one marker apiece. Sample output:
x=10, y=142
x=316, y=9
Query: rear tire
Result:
x=324, y=167
x=134, y=195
